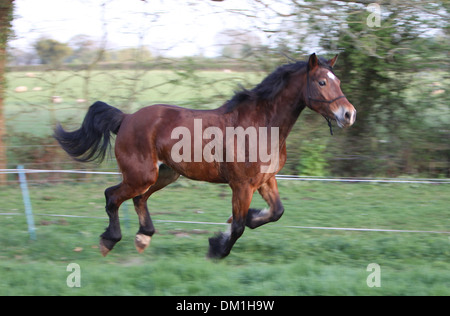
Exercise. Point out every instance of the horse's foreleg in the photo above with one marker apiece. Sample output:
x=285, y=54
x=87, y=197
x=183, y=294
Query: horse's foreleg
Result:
x=220, y=245
x=269, y=192
x=146, y=228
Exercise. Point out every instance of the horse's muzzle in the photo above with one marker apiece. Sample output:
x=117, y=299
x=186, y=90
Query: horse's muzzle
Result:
x=345, y=116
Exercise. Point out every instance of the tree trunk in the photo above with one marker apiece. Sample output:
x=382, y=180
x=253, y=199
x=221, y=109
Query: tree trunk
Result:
x=6, y=11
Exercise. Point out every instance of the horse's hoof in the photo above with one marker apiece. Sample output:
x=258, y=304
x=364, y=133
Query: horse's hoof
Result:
x=141, y=242
x=106, y=245
x=216, y=247
x=103, y=248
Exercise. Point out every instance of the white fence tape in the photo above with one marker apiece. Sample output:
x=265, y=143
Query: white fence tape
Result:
x=279, y=177
x=12, y=171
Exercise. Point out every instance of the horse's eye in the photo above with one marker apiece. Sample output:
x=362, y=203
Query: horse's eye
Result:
x=322, y=83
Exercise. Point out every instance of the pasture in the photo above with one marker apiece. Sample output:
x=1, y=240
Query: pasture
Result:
x=125, y=89
x=274, y=259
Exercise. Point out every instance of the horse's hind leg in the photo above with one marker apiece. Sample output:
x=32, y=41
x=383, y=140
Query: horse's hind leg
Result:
x=115, y=196
x=135, y=182
x=146, y=229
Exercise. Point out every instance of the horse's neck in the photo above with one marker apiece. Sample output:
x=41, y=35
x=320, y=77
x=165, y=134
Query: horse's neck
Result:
x=282, y=112
x=285, y=109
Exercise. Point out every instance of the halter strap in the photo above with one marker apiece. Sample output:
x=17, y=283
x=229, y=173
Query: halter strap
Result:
x=326, y=101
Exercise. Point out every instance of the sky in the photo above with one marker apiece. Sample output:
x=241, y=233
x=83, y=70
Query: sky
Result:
x=176, y=27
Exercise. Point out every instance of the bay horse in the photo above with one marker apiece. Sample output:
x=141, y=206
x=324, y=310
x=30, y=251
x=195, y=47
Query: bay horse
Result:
x=153, y=146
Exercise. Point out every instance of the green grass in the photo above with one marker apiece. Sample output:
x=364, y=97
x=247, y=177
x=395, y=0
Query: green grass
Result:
x=270, y=260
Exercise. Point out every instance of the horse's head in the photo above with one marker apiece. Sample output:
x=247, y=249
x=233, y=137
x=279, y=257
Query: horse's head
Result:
x=324, y=93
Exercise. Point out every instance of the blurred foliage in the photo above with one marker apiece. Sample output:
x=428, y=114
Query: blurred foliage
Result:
x=313, y=160
x=51, y=51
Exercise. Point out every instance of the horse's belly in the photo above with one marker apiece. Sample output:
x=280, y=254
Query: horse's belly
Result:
x=203, y=171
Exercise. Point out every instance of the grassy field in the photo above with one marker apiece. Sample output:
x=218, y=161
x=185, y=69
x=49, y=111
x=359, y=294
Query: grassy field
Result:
x=272, y=260
x=126, y=89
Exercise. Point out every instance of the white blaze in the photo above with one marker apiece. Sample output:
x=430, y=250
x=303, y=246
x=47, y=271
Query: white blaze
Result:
x=331, y=75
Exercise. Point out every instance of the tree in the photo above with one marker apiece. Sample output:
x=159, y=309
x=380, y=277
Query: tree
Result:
x=51, y=51
x=6, y=11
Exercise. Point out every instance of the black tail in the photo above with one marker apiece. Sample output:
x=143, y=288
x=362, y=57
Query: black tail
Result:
x=91, y=140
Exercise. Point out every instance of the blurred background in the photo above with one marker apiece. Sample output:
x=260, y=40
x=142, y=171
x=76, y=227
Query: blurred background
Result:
x=61, y=56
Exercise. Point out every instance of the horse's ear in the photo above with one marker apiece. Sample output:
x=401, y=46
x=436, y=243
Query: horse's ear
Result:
x=332, y=61
x=313, y=62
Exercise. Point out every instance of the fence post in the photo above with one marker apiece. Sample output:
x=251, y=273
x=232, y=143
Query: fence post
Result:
x=27, y=202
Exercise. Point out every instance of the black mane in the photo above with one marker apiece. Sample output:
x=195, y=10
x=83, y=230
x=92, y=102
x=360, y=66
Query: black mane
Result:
x=271, y=86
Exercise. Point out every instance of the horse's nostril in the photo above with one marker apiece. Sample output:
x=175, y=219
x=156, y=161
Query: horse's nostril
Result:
x=347, y=115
